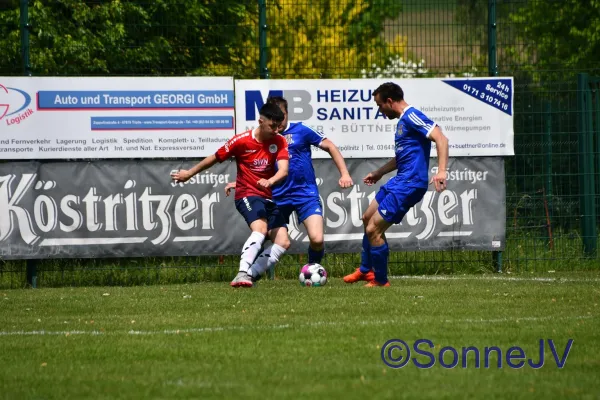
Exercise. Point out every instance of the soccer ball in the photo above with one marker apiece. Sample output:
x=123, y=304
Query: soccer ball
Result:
x=313, y=275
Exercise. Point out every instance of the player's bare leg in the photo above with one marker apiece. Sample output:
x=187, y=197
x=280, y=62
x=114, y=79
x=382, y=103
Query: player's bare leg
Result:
x=316, y=247
x=272, y=253
x=376, y=228
x=364, y=272
x=249, y=252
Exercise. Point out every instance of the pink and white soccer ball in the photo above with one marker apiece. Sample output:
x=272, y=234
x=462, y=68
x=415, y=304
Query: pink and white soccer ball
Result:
x=313, y=275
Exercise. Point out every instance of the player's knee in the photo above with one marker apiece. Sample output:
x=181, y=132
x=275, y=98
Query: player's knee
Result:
x=284, y=242
x=317, y=242
x=372, y=231
x=282, y=239
x=261, y=230
x=315, y=235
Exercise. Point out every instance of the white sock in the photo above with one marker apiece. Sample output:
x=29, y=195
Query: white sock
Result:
x=250, y=250
x=266, y=260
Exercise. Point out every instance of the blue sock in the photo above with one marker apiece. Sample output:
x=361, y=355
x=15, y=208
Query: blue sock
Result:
x=315, y=256
x=379, y=255
x=365, y=256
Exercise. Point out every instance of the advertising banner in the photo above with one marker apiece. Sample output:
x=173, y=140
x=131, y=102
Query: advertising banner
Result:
x=476, y=114
x=70, y=118
x=134, y=209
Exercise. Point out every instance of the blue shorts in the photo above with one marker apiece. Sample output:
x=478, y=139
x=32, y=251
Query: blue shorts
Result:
x=255, y=207
x=395, y=201
x=304, y=207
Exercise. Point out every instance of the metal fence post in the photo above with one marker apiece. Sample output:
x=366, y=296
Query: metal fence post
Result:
x=31, y=266
x=547, y=192
x=493, y=71
x=596, y=132
x=263, y=70
x=492, y=27
x=31, y=273
x=586, y=160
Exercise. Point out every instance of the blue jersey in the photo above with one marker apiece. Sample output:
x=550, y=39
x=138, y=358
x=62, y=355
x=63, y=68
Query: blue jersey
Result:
x=301, y=180
x=413, y=147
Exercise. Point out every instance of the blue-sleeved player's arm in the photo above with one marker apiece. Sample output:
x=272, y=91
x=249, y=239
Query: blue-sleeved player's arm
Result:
x=345, y=178
x=319, y=140
x=311, y=136
x=441, y=144
x=419, y=122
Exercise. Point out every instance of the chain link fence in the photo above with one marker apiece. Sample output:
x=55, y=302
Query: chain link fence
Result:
x=549, y=47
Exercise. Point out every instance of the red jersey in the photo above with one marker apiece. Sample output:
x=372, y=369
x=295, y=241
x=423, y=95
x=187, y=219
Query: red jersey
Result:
x=255, y=161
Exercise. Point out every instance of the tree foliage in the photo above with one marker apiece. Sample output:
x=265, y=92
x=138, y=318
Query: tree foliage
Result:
x=314, y=38
x=537, y=40
x=324, y=38
x=118, y=37
x=331, y=38
x=557, y=37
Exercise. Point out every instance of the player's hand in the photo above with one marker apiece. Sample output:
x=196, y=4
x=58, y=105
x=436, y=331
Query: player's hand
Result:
x=440, y=181
x=264, y=183
x=372, y=178
x=229, y=187
x=345, y=181
x=181, y=176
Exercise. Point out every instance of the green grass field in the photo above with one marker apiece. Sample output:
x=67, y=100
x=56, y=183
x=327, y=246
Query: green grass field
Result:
x=280, y=340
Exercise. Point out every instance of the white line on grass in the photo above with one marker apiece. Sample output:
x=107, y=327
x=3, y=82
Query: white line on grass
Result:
x=49, y=333
x=493, y=278
x=286, y=326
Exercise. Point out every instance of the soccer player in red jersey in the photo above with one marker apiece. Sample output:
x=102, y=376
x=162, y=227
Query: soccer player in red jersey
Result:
x=257, y=152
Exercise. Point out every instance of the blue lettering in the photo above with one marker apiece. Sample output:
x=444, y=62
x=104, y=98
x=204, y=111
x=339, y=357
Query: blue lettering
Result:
x=488, y=350
x=349, y=95
x=515, y=356
x=454, y=362
x=465, y=352
x=322, y=114
x=346, y=113
x=423, y=353
x=254, y=101
x=366, y=98
x=541, y=363
x=563, y=360
x=335, y=96
x=510, y=357
x=324, y=96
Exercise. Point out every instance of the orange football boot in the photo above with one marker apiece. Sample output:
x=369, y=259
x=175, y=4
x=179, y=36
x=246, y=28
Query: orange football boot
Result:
x=374, y=283
x=359, y=276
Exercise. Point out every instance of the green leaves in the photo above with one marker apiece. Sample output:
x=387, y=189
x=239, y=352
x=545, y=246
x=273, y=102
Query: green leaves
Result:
x=548, y=40
x=324, y=38
x=77, y=37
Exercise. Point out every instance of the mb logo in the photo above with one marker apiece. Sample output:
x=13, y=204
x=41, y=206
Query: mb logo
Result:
x=299, y=108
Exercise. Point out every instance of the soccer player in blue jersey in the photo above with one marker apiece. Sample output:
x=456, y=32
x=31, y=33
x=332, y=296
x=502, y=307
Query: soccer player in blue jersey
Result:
x=414, y=134
x=299, y=191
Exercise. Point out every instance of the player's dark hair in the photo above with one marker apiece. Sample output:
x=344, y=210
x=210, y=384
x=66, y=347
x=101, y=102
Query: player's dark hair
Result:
x=278, y=101
x=272, y=112
x=389, y=90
